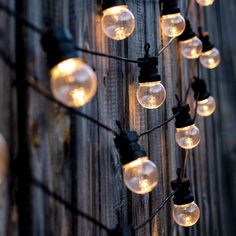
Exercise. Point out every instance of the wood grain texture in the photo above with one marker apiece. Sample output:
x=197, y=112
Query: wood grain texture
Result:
x=78, y=160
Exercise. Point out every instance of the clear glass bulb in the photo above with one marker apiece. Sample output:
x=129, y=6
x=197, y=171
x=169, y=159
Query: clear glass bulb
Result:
x=4, y=158
x=141, y=175
x=205, y=2
x=151, y=95
x=73, y=82
x=206, y=107
x=118, y=22
x=173, y=25
x=191, y=48
x=186, y=215
x=188, y=137
x=210, y=59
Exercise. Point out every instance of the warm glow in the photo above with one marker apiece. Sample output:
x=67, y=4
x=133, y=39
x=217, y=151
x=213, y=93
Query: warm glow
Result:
x=210, y=59
x=187, y=137
x=205, y=2
x=191, y=48
x=151, y=95
x=140, y=175
x=118, y=22
x=186, y=215
x=206, y=107
x=173, y=25
x=73, y=82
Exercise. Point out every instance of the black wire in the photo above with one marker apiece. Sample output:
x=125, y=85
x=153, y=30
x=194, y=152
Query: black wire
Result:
x=156, y=211
x=37, y=87
x=159, y=126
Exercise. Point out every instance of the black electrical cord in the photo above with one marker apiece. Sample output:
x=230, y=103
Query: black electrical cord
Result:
x=158, y=126
x=156, y=211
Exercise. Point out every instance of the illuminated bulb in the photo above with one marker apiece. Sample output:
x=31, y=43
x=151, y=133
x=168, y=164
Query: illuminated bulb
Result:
x=4, y=158
x=191, y=48
x=210, y=59
x=140, y=175
x=151, y=95
x=205, y=2
x=73, y=82
x=118, y=22
x=187, y=137
x=173, y=25
x=186, y=215
x=206, y=107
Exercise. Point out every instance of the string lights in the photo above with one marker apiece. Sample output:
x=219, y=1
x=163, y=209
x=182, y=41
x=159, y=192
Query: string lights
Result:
x=206, y=103
x=151, y=93
x=74, y=83
x=118, y=21
x=187, y=133
x=172, y=22
x=190, y=44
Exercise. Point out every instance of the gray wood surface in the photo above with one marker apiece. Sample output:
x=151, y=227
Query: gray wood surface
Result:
x=78, y=160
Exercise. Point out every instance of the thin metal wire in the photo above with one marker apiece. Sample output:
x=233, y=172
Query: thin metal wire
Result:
x=166, y=46
x=185, y=164
x=158, y=126
x=156, y=211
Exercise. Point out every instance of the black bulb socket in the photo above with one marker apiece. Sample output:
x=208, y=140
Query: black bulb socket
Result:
x=188, y=32
x=148, y=69
x=128, y=147
x=112, y=3
x=169, y=7
x=183, y=194
x=206, y=43
x=183, y=119
x=58, y=45
x=200, y=89
x=125, y=231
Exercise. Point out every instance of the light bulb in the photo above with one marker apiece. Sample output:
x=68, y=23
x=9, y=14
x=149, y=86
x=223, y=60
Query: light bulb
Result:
x=187, y=137
x=140, y=175
x=186, y=215
x=4, y=158
x=206, y=107
x=151, y=95
x=191, y=48
x=173, y=25
x=205, y=2
x=118, y=22
x=210, y=59
x=73, y=82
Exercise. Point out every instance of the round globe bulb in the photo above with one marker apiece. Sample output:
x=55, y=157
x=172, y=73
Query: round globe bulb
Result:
x=188, y=137
x=210, y=59
x=151, y=95
x=206, y=107
x=73, y=82
x=118, y=22
x=191, y=48
x=4, y=158
x=173, y=25
x=205, y=2
x=186, y=215
x=141, y=175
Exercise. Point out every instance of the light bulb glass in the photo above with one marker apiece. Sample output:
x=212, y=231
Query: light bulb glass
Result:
x=210, y=59
x=173, y=25
x=186, y=215
x=205, y=2
x=188, y=137
x=206, y=107
x=118, y=22
x=191, y=48
x=73, y=82
x=151, y=95
x=4, y=158
x=141, y=175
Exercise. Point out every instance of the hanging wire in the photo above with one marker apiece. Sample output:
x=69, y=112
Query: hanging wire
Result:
x=166, y=46
x=158, y=126
x=156, y=211
x=185, y=164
